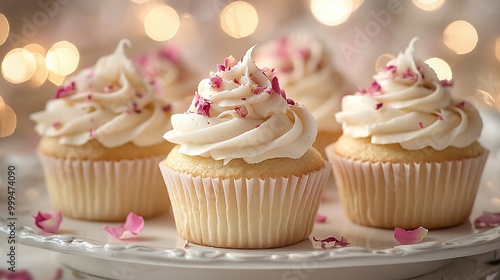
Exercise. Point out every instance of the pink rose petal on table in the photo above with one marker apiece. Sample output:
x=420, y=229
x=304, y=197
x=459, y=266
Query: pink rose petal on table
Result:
x=342, y=242
x=405, y=237
x=320, y=218
x=48, y=222
x=487, y=220
x=133, y=225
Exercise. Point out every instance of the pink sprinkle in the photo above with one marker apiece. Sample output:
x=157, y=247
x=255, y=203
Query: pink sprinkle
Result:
x=229, y=62
x=378, y=106
x=421, y=124
x=203, y=105
x=440, y=117
x=242, y=111
x=320, y=218
x=421, y=72
x=236, y=81
x=257, y=126
x=215, y=82
x=139, y=95
x=391, y=68
x=170, y=53
x=372, y=89
x=276, y=87
x=243, y=98
x=108, y=88
x=290, y=102
x=342, y=242
x=89, y=97
x=258, y=90
x=305, y=54
x=446, y=83
x=410, y=75
x=92, y=133
x=135, y=108
x=461, y=105
x=166, y=108
x=57, y=124
x=221, y=67
x=66, y=90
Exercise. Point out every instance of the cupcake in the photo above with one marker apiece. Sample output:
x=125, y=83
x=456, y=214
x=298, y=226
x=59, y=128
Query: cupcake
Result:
x=309, y=76
x=244, y=173
x=409, y=155
x=101, y=142
x=173, y=80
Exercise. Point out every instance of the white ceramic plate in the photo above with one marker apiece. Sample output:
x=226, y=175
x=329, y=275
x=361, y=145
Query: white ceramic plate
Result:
x=158, y=252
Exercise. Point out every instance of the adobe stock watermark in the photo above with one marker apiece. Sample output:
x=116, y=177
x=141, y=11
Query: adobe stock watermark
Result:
x=32, y=24
x=364, y=35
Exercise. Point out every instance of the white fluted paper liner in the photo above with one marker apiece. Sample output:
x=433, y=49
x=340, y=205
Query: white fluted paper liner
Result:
x=407, y=195
x=245, y=213
x=105, y=190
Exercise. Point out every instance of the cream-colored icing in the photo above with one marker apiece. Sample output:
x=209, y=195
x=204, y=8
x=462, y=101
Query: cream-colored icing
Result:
x=308, y=75
x=109, y=102
x=407, y=104
x=240, y=112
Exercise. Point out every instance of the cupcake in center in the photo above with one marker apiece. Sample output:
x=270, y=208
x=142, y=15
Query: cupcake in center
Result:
x=244, y=173
x=409, y=155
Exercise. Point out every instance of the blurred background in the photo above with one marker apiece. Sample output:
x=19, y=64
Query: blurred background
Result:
x=42, y=42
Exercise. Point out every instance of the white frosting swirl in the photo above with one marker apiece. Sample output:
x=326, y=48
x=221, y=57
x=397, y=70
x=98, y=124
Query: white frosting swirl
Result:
x=174, y=82
x=407, y=104
x=240, y=112
x=109, y=102
x=308, y=75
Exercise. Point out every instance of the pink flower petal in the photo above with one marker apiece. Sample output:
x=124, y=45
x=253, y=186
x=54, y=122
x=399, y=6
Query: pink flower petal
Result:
x=342, y=242
x=320, y=218
x=48, y=222
x=406, y=237
x=487, y=220
x=133, y=225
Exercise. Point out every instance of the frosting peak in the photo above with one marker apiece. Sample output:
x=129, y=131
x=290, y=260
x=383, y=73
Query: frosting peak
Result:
x=241, y=112
x=308, y=75
x=407, y=104
x=109, y=102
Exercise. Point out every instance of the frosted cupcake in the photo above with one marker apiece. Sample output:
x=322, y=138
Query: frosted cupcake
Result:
x=101, y=142
x=173, y=80
x=408, y=156
x=244, y=174
x=308, y=76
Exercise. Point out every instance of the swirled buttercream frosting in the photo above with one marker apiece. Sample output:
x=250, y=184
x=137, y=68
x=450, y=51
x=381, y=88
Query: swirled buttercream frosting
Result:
x=408, y=104
x=241, y=112
x=109, y=102
x=308, y=75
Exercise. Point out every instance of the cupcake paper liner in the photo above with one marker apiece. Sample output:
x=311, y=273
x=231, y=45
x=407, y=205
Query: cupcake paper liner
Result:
x=407, y=195
x=245, y=212
x=105, y=190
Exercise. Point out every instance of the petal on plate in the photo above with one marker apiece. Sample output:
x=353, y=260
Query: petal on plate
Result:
x=48, y=222
x=405, y=237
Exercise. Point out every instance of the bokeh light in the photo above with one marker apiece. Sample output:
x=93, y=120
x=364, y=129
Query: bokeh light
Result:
x=497, y=48
x=62, y=58
x=35, y=48
x=140, y=1
x=8, y=119
x=57, y=80
x=18, y=66
x=429, y=5
x=239, y=19
x=4, y=28
x=442, y=69
x=41, y=72
x=161, y=23
x=332, y=12
x=460, y=36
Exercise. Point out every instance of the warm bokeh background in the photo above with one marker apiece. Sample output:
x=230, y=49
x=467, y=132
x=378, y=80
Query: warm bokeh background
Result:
x=43, y=41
